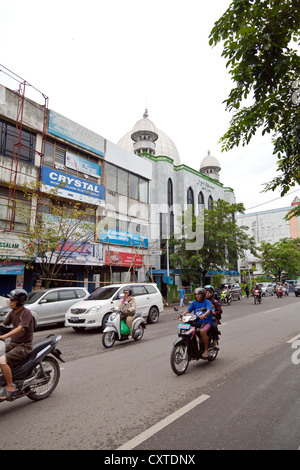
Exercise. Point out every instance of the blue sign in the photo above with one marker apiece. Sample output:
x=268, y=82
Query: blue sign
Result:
x=123, y=238
x=11, y=267
x=72, y=187
x=81, y=164
x=69, y=130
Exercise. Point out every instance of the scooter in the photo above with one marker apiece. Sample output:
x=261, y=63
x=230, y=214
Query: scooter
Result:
x=225, y=297
x=189, y=345
x=114, y=329
x=279, y=293
x=38, y=375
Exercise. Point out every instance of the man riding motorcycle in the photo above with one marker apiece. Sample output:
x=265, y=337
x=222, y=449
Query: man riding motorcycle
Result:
x=21, y=334
x=204, y=318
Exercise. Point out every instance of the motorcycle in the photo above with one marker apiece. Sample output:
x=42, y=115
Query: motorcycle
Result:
x=279, y=293
x=114, y=326
x=189, y=345
x=38, y=375
x=257, y=296
x=225, y=297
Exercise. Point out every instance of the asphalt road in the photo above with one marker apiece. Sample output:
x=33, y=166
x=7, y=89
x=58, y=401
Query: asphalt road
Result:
x=128, y=397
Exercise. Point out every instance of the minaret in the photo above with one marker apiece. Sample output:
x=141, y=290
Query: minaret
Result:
x=144, y=136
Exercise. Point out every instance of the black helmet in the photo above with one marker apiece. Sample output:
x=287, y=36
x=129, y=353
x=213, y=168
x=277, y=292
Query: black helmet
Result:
x=200, y=290
x=19, y=295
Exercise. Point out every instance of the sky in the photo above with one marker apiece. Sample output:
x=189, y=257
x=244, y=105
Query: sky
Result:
x=101, y=63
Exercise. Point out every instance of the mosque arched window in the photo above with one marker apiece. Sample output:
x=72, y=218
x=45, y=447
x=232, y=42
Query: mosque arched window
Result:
x=170, y=192
x=190, y=197
x=210, y=202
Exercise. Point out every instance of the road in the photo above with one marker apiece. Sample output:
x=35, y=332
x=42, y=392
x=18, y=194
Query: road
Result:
x=128, y=397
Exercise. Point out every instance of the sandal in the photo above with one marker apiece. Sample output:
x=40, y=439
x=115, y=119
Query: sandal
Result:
x=7, y=394
x=205, y=355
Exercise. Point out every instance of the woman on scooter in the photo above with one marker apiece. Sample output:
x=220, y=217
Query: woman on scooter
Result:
x=128, y=309
x=216, y=312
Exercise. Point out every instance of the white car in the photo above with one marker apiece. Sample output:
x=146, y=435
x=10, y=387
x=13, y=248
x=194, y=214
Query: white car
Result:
x=93, y=312
x=49, y=306
x=266, y=288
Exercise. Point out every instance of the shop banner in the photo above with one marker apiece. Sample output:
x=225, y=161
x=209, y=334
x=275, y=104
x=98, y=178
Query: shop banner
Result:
x=118, y=258
x=73, y=187
x=12, y=268
x=123, y=238
x=81, y=164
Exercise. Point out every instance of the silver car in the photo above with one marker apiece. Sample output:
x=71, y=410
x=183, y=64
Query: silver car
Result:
x=50, y=305
x=266, y=288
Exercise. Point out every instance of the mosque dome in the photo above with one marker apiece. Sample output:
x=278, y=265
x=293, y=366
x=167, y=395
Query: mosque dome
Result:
x=210, y=166
x=145, y=137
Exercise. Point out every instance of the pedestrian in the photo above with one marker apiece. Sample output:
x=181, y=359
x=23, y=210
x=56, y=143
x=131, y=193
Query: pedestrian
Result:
x=181, y=296
x=247, y=291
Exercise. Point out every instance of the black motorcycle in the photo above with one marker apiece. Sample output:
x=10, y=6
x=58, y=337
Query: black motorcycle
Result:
x=37, y=376
x=189, y=345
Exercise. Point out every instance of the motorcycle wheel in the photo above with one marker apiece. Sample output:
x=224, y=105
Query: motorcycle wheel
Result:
x=108, y=339
x=51, y=374
x=179, y=358
x=139, y=333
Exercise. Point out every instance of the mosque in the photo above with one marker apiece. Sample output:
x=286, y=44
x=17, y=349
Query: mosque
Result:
x=174, y=184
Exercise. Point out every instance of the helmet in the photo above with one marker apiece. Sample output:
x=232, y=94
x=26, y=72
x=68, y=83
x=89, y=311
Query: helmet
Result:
x=19, y=295
x=129, y=291
x=210, y=288
x=200, y=290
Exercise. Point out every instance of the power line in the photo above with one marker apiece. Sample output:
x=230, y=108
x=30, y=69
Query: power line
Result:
x=264, y=203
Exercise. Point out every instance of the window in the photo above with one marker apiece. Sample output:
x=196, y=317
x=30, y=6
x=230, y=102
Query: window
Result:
x=200, y=198
x=8, y=138
x=210, y=202
x=80, y=293
x=19, y=214
x=67, y=295
x=151, y=290
x=144, y=190
x=190, y=196
x=133, y=186
x=138, y=290
x=122, y=185
x=170, y=193
x=51, y=297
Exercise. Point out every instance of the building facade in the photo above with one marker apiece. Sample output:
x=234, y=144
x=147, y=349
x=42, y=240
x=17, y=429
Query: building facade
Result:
x=174, y=186
x=267, y=226
x=38, y=145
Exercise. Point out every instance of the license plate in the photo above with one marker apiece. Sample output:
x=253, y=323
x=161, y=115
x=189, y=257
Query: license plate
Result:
x=184, y=326
x=74, y=319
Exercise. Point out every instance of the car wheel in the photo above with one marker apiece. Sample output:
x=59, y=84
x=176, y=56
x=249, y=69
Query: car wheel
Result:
x=153, y=315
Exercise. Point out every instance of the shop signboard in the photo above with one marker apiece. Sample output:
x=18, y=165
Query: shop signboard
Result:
x=72, y=187
x=81, y=164
x=118, y=258
x=117, y=237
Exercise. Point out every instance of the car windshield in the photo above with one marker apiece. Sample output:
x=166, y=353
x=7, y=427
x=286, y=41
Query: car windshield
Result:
x=103, y=293
x=34, y=296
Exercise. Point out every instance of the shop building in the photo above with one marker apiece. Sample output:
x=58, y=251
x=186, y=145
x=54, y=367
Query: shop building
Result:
x=38, y=144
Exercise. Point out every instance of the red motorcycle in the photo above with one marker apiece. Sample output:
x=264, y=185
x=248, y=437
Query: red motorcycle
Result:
x=279, y=293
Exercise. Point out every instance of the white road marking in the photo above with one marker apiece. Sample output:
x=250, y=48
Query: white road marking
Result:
x=162, y=424
x=293, y=339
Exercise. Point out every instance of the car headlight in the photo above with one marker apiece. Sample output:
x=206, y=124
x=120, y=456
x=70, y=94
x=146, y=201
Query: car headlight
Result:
x=93, y=310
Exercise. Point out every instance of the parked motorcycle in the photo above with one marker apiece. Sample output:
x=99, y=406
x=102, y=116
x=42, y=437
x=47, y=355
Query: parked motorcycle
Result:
x=38, y=375
x=113, y=330
x=189, y=345
x=225, y=297
x=257, y=296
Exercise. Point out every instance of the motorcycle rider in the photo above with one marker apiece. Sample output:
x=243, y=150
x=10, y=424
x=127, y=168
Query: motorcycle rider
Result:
x=128, y=306
x=21, y=338
x=216, y=312
x=258, y=287
x=205, y=318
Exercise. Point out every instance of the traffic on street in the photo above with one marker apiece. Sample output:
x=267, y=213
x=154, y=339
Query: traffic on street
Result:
x=128, y=397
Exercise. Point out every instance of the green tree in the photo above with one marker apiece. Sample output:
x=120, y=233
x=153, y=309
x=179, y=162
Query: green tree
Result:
x=281, y=257
x=259, y=46
x=224, y=241
x=53, y=229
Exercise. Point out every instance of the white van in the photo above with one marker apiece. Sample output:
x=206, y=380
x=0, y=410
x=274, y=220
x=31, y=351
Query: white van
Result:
x=93, y=312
